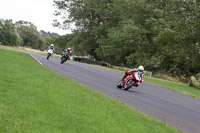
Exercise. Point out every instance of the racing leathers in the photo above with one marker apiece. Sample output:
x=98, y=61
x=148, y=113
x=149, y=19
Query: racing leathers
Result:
x=66, y=52
x=51, y=47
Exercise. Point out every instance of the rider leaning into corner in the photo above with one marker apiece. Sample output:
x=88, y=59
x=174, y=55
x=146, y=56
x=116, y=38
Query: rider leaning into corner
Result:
x=51, y=47
x=139, y=76
x=69, y=51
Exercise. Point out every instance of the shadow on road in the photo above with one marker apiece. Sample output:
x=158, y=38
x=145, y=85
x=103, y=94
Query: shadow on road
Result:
x=132, y=91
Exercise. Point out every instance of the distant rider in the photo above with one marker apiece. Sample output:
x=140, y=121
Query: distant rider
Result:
x=68, y=50
x=139, y=76
x=51, y=47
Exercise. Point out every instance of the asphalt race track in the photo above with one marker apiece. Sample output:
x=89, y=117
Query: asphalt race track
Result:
x=175, y=109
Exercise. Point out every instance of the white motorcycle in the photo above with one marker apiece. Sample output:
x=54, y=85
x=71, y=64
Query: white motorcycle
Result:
x=49, y=53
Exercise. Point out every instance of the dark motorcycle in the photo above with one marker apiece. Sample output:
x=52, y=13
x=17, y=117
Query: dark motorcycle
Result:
x=65, y=57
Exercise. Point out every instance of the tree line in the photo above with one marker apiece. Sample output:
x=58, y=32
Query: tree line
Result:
x=161, y=35
x=23, y=33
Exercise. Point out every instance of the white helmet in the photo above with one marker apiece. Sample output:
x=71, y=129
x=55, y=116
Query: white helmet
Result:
x=141, y=68
x=68, y=49
x=51, y=45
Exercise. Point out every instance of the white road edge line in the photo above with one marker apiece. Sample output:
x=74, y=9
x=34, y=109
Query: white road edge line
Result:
x=36, y=59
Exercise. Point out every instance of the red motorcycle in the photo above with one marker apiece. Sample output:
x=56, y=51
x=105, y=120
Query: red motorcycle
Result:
x=128, y=82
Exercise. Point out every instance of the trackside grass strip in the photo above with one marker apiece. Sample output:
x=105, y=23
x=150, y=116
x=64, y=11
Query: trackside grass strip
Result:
x=179, y=87
x=36, y=99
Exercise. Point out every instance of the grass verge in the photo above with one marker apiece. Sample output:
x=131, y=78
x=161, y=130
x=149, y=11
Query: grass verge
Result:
x=36, y=99
x=179, y=87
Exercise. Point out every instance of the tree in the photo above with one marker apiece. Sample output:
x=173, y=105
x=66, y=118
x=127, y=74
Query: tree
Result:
x=31, y=37
x=174, y=25
x=8, y=33
x=162, y=35
x=91, y=19
x=48, y=34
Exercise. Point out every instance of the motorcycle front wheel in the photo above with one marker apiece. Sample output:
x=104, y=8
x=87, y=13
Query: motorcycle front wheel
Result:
x=129, y=84
x=63, y=59
x=119, y=85
x=48, y=55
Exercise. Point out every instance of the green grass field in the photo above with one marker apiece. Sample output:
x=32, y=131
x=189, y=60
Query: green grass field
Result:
x=179, y=87
x=36, y=99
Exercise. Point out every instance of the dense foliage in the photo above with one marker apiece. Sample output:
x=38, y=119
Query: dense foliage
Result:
x=23, y=33
x=162, y=35
x=8, y=33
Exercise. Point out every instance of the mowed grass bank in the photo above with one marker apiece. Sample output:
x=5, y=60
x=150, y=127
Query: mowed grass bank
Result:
x=35, y=99
x=179, y=87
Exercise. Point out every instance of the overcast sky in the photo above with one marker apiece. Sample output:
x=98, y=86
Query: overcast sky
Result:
x=38, y=12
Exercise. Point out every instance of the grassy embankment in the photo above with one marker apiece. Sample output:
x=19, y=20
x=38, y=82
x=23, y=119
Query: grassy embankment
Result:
x=36, y=99
x=179, y=87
